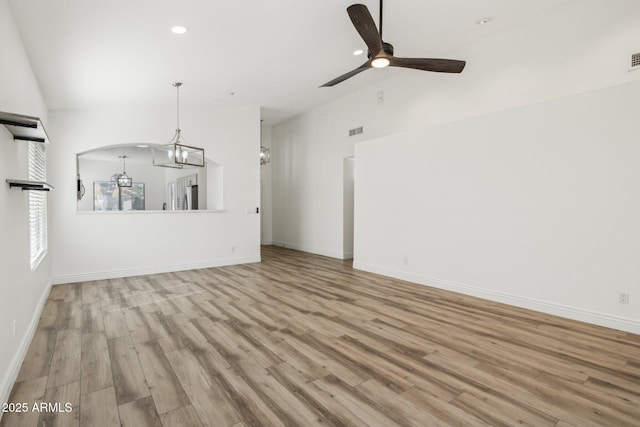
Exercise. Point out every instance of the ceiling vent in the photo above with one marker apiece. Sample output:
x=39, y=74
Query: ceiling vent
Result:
x=634, y=64
x=355, y=131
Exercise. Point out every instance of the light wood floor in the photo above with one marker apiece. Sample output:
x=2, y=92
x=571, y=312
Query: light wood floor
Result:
x=300, y=340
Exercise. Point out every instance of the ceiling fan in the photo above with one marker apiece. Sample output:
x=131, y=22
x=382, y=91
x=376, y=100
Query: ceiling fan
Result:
x=381, y=53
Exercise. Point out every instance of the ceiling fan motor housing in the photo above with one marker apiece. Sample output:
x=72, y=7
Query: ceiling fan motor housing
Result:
x=387, y=47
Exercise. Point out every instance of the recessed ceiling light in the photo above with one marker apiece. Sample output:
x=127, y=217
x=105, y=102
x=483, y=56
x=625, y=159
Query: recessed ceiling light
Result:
x=178, y=29
x=484, y=20
x=358, y=52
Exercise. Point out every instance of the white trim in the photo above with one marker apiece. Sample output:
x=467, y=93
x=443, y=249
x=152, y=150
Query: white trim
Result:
x=115, y=274
x=601, y=319
x=16, y=363
x=338, y=255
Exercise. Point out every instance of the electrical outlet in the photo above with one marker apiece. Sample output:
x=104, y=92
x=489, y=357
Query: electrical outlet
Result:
x=405, y=261
x=623, y=298
x=15, y=327
x=233, y=248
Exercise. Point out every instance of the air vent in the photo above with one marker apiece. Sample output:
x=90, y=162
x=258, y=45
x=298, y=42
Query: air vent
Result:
x=355, y=131
x=635, y=61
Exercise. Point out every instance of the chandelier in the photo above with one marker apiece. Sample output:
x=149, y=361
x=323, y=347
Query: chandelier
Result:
x=177, y=154
x=123, y=179
x=265, y=153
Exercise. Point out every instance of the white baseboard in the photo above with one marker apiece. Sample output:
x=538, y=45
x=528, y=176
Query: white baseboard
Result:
x=115, y=274
x=311, y=250
x=16, y=363
x=615, y=322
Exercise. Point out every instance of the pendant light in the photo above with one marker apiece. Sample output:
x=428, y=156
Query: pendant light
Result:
x=177, y=154
x=123, y=179
x=265, y=153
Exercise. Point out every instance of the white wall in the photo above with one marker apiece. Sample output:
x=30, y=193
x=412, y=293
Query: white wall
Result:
x=535, y=206
x=578, y=48
x=23, y=292
x=307, y=181
x=90, y=245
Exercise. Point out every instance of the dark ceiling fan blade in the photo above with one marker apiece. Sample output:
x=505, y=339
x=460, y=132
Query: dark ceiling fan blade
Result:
x=350, y=74
x=381, y=54
x=366, y=27
x=429, y=64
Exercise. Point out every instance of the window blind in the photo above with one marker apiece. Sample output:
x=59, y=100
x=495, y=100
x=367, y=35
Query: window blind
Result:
x=37, y=204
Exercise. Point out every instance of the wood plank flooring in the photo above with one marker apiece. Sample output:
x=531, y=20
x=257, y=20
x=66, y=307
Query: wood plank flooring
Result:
x=301, y=340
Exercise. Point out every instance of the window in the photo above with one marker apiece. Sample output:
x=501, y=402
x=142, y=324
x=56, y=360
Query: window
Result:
x=107, y=196
x=37, y=204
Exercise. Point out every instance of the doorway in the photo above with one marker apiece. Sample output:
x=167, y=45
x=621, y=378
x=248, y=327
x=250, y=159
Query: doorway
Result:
x=348, y=196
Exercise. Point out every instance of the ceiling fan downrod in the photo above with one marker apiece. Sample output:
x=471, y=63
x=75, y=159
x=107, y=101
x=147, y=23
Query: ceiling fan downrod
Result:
x=380, y=19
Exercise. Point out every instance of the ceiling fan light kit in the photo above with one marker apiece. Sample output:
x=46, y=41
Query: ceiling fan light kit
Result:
x=381, y=53
x=380, y=62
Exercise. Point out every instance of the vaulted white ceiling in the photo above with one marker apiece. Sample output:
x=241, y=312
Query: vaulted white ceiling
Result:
x=275, y=54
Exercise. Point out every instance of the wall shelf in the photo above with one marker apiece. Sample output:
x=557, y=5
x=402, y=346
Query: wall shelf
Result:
x=29, y=185
x=24, y=128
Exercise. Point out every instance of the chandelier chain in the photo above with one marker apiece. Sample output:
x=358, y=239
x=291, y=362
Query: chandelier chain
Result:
x=177, y=86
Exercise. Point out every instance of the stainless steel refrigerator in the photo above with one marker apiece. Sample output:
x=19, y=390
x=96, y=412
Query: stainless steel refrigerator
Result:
x=190, y=199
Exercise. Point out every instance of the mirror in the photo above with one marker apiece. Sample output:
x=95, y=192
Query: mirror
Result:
x=152, y=188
